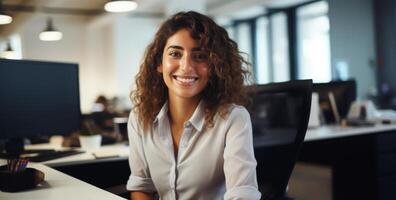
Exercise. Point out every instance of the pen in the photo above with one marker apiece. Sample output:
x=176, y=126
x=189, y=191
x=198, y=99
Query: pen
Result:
x=17, y=163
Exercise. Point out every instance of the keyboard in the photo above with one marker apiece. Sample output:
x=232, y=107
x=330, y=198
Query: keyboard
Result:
x=50, y=155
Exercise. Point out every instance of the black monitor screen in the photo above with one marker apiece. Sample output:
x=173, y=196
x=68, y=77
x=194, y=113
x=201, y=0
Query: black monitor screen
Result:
x=38, y=98
x=344, y=93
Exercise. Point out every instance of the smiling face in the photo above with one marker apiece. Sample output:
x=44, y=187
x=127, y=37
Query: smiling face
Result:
x=184, y=66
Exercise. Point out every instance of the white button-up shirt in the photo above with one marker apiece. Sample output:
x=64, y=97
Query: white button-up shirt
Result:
x=212, y=163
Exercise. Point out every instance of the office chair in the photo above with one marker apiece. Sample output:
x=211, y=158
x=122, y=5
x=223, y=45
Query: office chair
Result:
x=280, y=114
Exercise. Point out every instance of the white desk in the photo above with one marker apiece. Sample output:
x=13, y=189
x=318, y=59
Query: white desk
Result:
x=62, y=186
x=332, y=132
x=59, y=186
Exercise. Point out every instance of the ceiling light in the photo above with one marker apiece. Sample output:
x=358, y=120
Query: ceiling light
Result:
x=8, y=52
x=8, y=48
x=4, y=18
x=120, y=6
x=50, y=33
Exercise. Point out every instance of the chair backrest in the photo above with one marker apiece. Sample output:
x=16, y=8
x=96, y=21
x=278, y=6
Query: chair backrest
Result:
x=280, y=115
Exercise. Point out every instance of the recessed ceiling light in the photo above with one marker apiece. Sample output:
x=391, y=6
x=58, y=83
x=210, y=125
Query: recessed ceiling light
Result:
x=120, y=6
x=5, y=19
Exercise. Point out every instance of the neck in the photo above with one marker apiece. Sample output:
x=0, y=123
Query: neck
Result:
x=180, y=109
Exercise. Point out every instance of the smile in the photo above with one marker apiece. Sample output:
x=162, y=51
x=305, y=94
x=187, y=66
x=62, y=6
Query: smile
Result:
x=185, y=79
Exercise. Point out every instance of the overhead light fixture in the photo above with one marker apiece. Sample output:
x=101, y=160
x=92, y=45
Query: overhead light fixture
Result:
x=119, y=6
x=50, y=33
x=4, y=18
x=8, y=52
x=8, y=48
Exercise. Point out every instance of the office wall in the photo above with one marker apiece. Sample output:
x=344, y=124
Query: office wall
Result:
x=69, y=49
x=131, y=37
x=97, y=71
x=352, y=41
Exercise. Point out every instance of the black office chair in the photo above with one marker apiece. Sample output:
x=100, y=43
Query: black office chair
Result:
x=280, y=114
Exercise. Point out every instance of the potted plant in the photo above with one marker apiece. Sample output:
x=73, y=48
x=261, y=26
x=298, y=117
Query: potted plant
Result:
x=90, y=135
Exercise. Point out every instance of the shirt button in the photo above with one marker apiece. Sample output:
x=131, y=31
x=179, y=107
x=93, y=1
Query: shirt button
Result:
x=187, y=124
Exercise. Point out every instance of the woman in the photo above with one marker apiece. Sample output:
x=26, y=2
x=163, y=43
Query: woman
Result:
x=190, y=138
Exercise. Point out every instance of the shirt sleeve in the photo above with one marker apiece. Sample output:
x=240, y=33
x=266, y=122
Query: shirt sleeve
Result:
x=239, y=161
x=140, y=179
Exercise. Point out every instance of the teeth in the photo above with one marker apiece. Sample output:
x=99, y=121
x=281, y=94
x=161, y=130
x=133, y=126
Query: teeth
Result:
x=185, y=79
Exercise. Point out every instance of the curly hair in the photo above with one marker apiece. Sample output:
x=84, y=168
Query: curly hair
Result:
x=227, y=69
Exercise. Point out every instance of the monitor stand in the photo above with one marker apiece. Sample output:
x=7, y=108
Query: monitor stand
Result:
x=14, y=147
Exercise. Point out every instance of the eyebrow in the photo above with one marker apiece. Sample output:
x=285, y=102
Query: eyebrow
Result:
x=181, y=48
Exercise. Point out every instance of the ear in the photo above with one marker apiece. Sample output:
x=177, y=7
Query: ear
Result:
x=159, y=68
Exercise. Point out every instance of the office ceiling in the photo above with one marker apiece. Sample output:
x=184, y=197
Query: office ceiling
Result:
x=21, y=10
x=92, y=7
x=74, y=7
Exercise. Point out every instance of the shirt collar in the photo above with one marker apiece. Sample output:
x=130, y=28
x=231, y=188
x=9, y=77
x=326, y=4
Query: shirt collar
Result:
x=162, y=113
x=197, y=119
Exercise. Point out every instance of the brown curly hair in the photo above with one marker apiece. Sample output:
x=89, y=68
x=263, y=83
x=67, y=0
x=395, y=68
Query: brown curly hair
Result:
x=227, y=74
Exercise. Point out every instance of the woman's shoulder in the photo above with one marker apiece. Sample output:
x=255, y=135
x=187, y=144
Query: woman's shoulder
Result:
x=133, y=121
x=237, y=112
x=237, y=118
x=132, y=116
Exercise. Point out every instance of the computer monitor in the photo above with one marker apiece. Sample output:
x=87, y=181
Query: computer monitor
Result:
x=344, y=93
x=38, y=98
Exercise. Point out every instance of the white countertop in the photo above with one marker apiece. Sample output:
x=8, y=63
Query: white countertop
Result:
x=59, y=186
x=330, y=132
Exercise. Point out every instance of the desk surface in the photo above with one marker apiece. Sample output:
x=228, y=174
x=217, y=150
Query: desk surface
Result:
x=108, y=153
x=59, y=186
x=121, y=151
x=330, y=132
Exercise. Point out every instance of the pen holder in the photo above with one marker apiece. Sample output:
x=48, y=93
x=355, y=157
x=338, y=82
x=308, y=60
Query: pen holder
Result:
x=19, y=181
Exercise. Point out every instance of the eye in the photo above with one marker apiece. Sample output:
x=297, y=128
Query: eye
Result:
x=200, y=57
x=174, y=54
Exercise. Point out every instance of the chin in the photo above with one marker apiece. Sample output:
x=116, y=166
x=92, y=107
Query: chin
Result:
x=187, y=94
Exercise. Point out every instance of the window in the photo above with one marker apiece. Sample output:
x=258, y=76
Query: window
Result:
x=243, y=40
x=313, y=42
x=263, y=71
x=280, y=54
x=280, y=47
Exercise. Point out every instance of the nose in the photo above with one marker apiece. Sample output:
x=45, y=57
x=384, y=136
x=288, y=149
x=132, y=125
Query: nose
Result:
x=186, y=63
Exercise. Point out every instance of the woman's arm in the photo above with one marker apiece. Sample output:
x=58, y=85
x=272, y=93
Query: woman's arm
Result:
x=136, y=195
x=140, y=179
x=239, y=161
